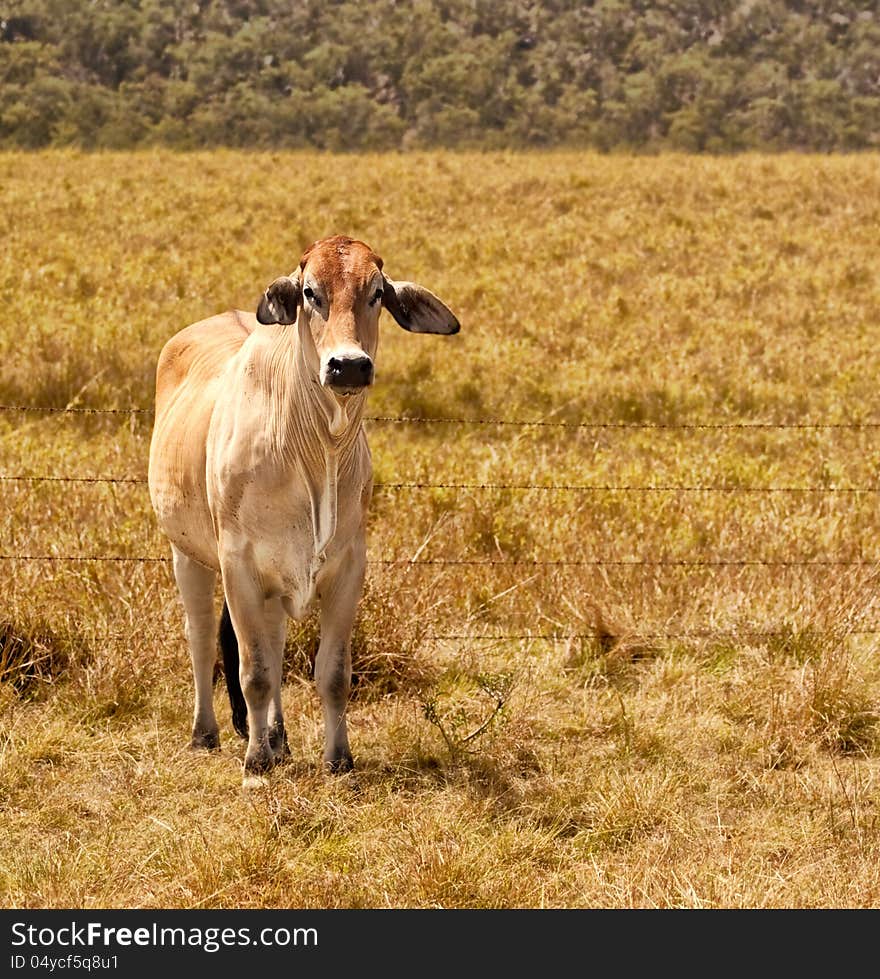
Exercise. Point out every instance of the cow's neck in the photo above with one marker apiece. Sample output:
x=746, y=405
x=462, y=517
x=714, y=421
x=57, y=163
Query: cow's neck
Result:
x=313, y=433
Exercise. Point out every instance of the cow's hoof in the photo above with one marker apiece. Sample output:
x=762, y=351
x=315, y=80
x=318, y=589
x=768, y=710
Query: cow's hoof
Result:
x=205, y=740
x=251, y=782
x=259, y=762
x=340, y=765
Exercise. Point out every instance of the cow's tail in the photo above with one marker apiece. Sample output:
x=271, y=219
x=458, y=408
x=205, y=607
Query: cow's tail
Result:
x=229, y=648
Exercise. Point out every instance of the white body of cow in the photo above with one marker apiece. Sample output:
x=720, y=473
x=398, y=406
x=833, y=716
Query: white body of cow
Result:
x=260, y=472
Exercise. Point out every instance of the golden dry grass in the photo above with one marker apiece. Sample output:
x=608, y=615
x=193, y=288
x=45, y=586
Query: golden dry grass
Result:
x=700, y=736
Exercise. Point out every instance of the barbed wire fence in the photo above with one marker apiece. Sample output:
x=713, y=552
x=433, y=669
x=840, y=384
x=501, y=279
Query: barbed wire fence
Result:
x=519, y=487
x=521, y=423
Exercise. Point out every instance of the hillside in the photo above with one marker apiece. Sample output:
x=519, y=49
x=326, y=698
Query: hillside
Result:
x=701, y=75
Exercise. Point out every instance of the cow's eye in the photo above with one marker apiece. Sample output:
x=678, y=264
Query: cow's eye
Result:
x=377, y=295
x=309, y=293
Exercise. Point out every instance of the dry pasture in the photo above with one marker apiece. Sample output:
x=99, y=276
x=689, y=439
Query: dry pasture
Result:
x=656, y=611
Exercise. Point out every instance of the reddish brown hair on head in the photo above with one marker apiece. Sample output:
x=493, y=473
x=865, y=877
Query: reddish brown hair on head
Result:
x=342, y=245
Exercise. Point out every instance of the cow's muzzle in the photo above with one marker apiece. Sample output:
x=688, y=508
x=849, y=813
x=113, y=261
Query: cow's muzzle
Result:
x=348, y=375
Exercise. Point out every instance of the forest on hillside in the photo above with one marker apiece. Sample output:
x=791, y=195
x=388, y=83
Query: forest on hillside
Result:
x=696, y=75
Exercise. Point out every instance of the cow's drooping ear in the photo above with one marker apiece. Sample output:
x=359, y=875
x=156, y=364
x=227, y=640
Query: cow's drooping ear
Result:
x=281, y=301
x=418, y=310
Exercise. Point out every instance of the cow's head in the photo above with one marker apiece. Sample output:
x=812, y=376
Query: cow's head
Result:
x=337, y=293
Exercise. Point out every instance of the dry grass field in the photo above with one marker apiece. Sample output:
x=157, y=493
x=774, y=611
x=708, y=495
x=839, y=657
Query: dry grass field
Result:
x=680, y=623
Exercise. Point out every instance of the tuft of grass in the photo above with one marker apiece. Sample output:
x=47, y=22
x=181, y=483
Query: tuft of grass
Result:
x=387, y=647
x=32, y=654
x=459, y=725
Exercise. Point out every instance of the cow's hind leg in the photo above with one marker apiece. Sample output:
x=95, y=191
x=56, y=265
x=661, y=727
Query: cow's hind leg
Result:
x=229, y=647
x=339, y=594
x=196, y=584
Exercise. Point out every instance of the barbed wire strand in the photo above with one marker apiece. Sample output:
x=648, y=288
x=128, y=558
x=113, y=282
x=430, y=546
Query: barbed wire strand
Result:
x=635, y=635
x=502, y=422
x=746, y=632
x=652, y=426
x=72, y=479
x=515, y=563
x=76, y=410
x=627, y=488
x=501, y=487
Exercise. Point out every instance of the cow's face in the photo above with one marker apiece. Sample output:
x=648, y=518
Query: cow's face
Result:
x=342, y=289
x=337, y=294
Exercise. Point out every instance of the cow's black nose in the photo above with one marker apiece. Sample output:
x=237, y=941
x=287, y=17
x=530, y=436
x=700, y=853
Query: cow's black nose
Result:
x=349, y=372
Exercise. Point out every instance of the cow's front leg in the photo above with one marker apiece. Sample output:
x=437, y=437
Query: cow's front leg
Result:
x=339, y=589
x=276, y=621
x=259, y=659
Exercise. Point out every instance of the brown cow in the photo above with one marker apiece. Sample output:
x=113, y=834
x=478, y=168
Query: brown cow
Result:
x=260, y=471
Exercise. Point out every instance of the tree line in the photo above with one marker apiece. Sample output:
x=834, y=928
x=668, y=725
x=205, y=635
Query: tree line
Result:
x=696, y=75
